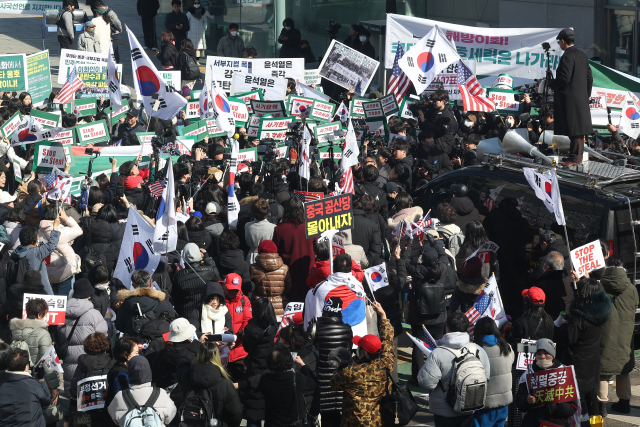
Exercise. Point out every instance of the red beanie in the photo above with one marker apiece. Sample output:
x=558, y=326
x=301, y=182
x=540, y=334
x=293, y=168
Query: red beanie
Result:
x=267, y=247
x=132, y=182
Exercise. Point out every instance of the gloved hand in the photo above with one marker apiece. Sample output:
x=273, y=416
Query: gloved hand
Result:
x=551, y=408
x=430, y=238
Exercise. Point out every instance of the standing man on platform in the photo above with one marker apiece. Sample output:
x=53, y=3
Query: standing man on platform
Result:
x=572, y=89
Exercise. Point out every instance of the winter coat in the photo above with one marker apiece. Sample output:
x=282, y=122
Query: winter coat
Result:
x=233, y=262
x=231, y=47
x=556, y=413
x=255, y=232
x=63, y=263
x=164, y=406
x=382, y=223
x=36, y=255
x=165, y=364
x=439, y=368
x=22, y=399
x=89, y=365
x=200, y=238
x=67, y=29
x=89, y=322
x=579, y=339
x=321, y=270
x=330, y=333
x=167, y=55
x=128, y=135
x=531, y=328
x=258, y=341
x=206, y=376
x=378, y=194
x=280, y=401
x=365, y=383
x=197, y=30
x=271, y=279
x=182, y=59
x=147, y=298
x=106, y=297
x=12, y=308
x=34, y=332
x=89, y=42
x=188, y=285
x=366, y=233
x=291, y=47
x=572, y=90
x=414, y=214
x=465, y=210
x=539, y=257
x=388, y=295
x=556, y=285
x=241, y=313
x=356, y=252
x=297, y=253
x=105, y=238
x=465, y=295
x=417, y=273
x=195, y=317
x=148, y=8
x=117, y=379
x=103, y=34
x=499, y=392
x=616, y=344
x=171, y=20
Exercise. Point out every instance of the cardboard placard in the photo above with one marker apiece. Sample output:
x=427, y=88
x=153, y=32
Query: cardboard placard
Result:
x=322, y=111
x=66, y=137
x=57, y=307
x=373, y=110
x=13, y=73
x=115, y=116
x=330, y=213
x=239, y=110
x=197, y=129
x=47, y=155
x=83, y=107
x=93, y=132
x=39, y=76
x=274, y=128
x=556, y=385
x=47, y=120
x=224, y=69
x=299, y=105
x=247, y=96
x=587, y=258
x=145, y=137
x=92, y=393
x=213, y=129
x=192, y=109
x=389, y=105
x=355, y=107
x=505, y=101
x=11, y=125
x=347, y=67
x=273, y=88
x=172, y=78
x=524, y=359
x=273, y=108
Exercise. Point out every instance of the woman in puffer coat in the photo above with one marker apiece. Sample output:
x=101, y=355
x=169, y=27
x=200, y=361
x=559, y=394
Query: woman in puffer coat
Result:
x=499, y=394
x=405, y=212
x=89, y=321
x=217, y=319
x=579, y=339
x=271, y=276
x=187, y=283
x=34, y=329
x=105, y=236
x=63, y=261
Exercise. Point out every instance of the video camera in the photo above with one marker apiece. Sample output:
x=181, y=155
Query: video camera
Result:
x=294, y=133
x=268, y=150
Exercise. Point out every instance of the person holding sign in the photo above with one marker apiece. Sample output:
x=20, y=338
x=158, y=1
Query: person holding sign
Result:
x=33, y=329
x=579, y=338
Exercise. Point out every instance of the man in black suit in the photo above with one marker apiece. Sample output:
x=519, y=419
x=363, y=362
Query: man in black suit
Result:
x=572, y=89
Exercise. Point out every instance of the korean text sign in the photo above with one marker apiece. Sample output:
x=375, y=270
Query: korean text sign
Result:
x=13, y=73
x=92, y=393
x=331, y=213
x=556, y=385
x=57, y=307
x=224, y=68
x=587, y=258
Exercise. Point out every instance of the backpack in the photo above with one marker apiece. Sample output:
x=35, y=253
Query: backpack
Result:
x=141, y=319
x=197, y=410
x=450, y=277
x=190, y=68
x=141, y=416
x=94, y=258
x=468, y=386
x=16, y=270
x=431, y=300
x=452, y=241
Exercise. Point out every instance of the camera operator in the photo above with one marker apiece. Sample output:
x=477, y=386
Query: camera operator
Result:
x=440, y=120
x=402, y=156
x=138, y=196
x=128, y=130
x=431, y=161
x=469, y=157
x=181, y=176
x=370, y=187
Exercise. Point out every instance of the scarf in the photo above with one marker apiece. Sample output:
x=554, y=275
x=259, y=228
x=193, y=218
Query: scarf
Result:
x=104, y=287
x=216, y=316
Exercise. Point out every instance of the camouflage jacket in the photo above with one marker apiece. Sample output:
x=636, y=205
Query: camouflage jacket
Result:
x=364, y=384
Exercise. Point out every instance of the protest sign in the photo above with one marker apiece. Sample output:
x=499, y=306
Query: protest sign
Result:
x=47, y=120
x=506, y=103
x=192, y=109
x=324, y=151
x=375, y=127
x=13, y=73
x=377, y=276
x=330, y=213
x=273, y=108
x=484, y=252
x=598, y=108
x=324, y=133
x=224, y=68
x=213, y=129
x=389, y=105
x=587, y=258
x=57, y=307
x=322, y=111
x=83, y=107
x=11, y=125
x=48, y=154
x=556, y=385
x=171, y=78
x=94, y=77
x=299, y=105
x=92, y=393
x=273, y=88
x=355, y=107
x=304, y=90
x=197, y=129
x=115, y=116
x=514, y=51
x=525, y=359
x=39, y=77
x=405, y=113
x=66, y=137
x=373, y=110
x=448, y=80
x=30, y=7
x=239, y=110
x=145, y=137
x=247, y=96
x=17, y=172
x=93, y=132
x=69, y=58
x=253, y=126
x=311, y=77
x=274, y=128
x=293, y=314
x=348, y=68
x=248, y=155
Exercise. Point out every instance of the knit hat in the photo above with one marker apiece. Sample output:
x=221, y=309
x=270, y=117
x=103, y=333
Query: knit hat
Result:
x=333, y=305
x=83, y=289
x=472, y=271
x=181, y=330
x=371, y=343
x=191, y=253
x=132, y=182
x=32, y=278
x=267, y=247
x=197, y=213
x=547, y=345
x=186, y=91
x=535, y=295
x=233, y=282
x=139, y=371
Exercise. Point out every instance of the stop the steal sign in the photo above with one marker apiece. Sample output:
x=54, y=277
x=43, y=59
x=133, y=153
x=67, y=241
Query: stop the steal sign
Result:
x=587, y=258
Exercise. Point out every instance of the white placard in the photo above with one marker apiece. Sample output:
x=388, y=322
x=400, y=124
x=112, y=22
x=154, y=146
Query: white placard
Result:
x=69, y=58
x=57, y=307
x=587, y=258
x=273, y=88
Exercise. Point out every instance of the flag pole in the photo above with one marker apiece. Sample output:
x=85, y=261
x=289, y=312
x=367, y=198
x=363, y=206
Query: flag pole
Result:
x=564, y=225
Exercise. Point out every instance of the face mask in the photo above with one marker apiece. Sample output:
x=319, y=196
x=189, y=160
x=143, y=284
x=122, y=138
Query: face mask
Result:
x=431, y=144
x=234, y=33
x=196, y=5
x=509, y=123
x=287, y=28
x=91, y=30
x=363, y=39
x=468, y=123
x=544, y=364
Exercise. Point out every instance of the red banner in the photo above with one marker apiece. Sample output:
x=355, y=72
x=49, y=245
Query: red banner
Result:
x=555, y=385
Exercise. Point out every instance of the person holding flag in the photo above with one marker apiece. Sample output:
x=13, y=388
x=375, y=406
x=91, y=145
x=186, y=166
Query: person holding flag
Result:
x=165, y=234
x=233, y=206
x=113, y=81
x=350, y=155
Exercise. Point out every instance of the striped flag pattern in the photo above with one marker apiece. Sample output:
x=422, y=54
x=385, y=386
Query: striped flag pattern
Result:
x=478, y=309
x=156, y=188
x=473, y=95
x=70, y=87
x=346, y=181
x=307, y=196
x=428, y=339
x=399, y=83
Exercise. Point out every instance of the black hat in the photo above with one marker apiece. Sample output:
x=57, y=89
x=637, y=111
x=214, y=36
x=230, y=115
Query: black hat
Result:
x=83, y=289
x=138, y=370
x=132, y=112
x=566, y=32
x=32, y=278
x=333, y=305
x=391, y=187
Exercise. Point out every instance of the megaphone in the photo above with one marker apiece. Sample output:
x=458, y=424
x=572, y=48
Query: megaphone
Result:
x=561, y=142
x=516, y=141
x=486, y=146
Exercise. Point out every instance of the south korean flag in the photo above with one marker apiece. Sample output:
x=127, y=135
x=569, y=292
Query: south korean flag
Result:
x=630, y=117
x=113, y=82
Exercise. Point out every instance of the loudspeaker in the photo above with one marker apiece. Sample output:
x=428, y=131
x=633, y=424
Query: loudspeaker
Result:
x=516, y=141
x=491, y=145
x=561, y=142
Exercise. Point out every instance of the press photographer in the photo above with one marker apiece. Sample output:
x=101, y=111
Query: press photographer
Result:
x=438, y=117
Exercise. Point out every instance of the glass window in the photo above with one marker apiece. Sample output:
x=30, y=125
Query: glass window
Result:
x=621, y=26
x=630, y=3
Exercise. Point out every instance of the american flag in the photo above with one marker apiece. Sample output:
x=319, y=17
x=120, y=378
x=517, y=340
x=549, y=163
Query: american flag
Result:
x=156, y=188
x=401, y=229
x=489, y=203
x=71, y=86
x=473, y=96
x=399, y=83
x=426, y=222
x=346, y=181
x=117, y=144
x=428, y=339
x=478, y=309
x=307, y=196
